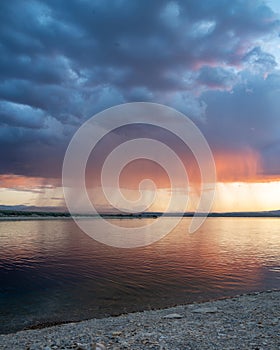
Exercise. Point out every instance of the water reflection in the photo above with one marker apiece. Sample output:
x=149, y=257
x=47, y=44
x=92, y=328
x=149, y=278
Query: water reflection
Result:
x=51, y=271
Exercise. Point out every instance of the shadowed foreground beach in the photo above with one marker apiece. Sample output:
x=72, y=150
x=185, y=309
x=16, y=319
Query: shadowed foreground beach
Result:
x=249, y=321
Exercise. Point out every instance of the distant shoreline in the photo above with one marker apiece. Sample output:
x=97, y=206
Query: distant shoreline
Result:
x=43, y=218
x=7, y=215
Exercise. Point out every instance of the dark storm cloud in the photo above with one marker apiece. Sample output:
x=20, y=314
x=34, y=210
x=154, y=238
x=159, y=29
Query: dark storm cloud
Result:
x=259, y=61
x=247, y=116
x=60, y=62
x=20, y=115
x=217, y=77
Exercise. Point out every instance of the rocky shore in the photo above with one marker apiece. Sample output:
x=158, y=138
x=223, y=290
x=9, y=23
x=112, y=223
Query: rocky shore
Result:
x=244, y=322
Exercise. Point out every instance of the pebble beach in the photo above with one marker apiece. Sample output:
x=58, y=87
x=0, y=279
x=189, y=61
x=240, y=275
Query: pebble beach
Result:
x=250, y=321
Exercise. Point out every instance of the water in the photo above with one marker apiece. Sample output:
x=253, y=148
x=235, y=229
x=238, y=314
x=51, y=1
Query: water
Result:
x=50, y=271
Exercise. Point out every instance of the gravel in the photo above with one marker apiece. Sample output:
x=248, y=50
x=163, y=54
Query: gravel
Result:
x=249, y=321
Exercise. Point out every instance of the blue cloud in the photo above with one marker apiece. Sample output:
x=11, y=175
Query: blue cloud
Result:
x=60, y=62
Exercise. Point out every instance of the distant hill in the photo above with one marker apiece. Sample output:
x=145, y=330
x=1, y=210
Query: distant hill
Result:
x=34, y=211
x=31, y=211
x=270, y=213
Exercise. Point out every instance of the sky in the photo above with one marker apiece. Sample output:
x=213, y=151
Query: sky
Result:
x=215, y=61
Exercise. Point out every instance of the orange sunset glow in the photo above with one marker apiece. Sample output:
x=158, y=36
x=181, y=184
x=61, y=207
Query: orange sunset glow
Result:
x=240, y=187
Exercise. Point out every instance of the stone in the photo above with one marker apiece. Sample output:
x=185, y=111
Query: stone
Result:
x=99, y=346
x=171, y=316
x=116, y=333
x=81, y=346
x=206, y=310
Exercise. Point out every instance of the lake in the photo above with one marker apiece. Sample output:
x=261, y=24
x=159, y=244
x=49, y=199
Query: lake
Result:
x=51, y=271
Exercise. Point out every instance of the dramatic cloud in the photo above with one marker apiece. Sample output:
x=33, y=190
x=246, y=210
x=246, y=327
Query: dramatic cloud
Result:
x=61, y=62
x=248, y=118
